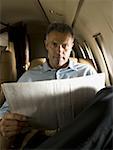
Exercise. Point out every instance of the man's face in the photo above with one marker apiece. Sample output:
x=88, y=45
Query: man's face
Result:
x=59, y=46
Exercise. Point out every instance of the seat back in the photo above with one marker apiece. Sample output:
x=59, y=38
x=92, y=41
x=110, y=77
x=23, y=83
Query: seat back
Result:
x=40, y=61
x=7, y=69
x=37, y=61
x=86, y=61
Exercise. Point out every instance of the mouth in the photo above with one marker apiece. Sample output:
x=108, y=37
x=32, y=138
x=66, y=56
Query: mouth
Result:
x=59, y=57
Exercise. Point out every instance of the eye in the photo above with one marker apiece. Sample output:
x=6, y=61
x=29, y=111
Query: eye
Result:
x=54, y=44
x=64, y=45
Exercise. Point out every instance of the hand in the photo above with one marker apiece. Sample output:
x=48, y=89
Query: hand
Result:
x=12, y=123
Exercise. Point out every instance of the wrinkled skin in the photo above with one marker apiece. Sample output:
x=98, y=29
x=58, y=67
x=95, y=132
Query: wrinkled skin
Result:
x=59, y=46
x=12, y=124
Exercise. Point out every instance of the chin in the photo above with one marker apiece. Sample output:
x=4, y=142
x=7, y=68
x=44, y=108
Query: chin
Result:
x=61, y=64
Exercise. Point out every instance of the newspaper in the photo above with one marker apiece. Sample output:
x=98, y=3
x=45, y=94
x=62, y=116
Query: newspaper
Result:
x=54, y=103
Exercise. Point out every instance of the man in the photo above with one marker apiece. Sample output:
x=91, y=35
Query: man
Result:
x=59, y=42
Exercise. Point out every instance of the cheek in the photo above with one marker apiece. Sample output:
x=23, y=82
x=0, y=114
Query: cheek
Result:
x=67, y=53
x=50, y=53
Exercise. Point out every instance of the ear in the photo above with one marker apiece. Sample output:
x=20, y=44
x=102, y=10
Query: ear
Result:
x=72, y=42
x=46, y=44
x=72, y=46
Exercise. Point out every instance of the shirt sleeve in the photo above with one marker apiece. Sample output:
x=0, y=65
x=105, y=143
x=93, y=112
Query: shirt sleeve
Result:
x=26, y=77
x=4, y=109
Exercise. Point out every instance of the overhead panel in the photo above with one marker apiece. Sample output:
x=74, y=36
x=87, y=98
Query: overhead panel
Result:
x=21, y=10
x=95, y=12
x=96, y=16
x=60, y=10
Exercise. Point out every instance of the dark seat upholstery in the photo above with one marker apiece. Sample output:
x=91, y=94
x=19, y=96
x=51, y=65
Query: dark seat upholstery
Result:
x=91, y=130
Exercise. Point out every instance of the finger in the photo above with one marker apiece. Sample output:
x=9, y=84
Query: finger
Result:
x=9, y=133
x=13, y=129
x=15, y=116
x=12, y=123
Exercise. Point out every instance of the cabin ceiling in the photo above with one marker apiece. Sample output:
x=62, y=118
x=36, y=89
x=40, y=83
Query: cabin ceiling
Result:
x=13, y=11
x=43, y=11
x=60, y=10
x=87, y=16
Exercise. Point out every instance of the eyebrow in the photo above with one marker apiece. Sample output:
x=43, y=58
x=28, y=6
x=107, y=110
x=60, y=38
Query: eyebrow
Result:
x=58, y=42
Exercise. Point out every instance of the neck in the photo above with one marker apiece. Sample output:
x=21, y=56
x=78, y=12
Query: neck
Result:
x=63, y=66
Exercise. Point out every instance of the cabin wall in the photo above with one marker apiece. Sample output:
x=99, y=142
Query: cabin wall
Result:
x=95, y=17
x=36, y=33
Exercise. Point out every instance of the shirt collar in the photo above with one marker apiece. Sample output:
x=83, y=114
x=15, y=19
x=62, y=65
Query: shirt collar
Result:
x=71, y=64
x=46, y=67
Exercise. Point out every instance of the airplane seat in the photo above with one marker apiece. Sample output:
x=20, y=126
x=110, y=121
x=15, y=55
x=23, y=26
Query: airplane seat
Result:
x=74, y=59
x=92, y=129
x=40, y=61
x=7, y=69
x=37, y=61
x=86, y=61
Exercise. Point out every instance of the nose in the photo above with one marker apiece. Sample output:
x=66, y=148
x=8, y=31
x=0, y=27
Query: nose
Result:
x=60, y=49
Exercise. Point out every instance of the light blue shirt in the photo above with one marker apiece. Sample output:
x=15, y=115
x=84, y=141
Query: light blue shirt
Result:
x=44, y=72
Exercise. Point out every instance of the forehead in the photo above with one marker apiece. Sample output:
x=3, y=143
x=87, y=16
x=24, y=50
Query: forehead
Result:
x=59, y=37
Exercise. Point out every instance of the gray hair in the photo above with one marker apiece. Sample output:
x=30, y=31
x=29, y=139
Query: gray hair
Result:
x=60, y=27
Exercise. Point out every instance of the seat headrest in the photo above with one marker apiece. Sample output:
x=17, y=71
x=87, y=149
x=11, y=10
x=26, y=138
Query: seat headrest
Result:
x=41, y=61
